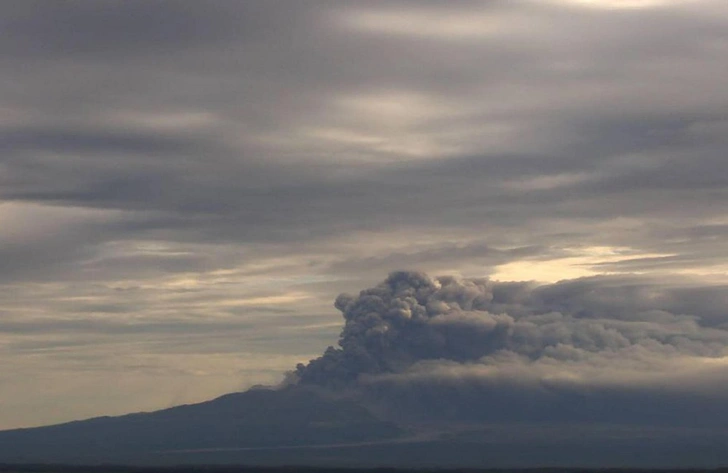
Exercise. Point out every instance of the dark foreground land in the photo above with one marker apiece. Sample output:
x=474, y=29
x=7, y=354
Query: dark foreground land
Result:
x=308, y=469
x=270, y=429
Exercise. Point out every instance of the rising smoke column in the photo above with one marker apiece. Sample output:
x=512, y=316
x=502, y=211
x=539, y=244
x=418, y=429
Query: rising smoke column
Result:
x=411, y=321
x=406, y=318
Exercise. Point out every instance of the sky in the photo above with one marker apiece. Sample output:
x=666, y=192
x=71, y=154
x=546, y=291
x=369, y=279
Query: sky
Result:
x=186, y=187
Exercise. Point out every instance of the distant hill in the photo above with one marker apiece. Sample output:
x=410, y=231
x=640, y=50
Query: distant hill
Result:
x=305, y=426
x=259, y=418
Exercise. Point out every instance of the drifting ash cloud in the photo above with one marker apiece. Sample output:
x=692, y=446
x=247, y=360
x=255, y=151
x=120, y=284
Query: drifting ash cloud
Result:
x=595, y=349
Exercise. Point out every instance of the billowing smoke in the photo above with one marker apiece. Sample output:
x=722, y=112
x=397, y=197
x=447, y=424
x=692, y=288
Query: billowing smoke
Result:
x=598, y=339
x=411, y=318
x=407, y=318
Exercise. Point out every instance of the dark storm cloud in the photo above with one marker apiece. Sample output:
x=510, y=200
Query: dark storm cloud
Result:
x=114, y=29
x=624, y=123
x=199, y=173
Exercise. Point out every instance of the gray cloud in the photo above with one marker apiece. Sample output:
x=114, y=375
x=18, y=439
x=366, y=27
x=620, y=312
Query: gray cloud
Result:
x=571, y=351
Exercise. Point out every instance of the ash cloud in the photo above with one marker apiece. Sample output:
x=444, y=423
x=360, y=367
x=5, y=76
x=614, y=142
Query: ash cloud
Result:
x=587, y=349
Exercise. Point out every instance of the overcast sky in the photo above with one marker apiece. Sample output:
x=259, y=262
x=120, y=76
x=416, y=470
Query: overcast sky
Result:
x=186, y=186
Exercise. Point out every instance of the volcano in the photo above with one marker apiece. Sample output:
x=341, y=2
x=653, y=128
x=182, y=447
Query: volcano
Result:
x=448, y=372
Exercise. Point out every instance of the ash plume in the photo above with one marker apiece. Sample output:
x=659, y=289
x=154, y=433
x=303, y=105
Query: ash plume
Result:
x=406, y=318
x=609, y=342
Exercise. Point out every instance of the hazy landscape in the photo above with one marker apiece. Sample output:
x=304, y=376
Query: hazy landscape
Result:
x=419, y=234
x=446, y=372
